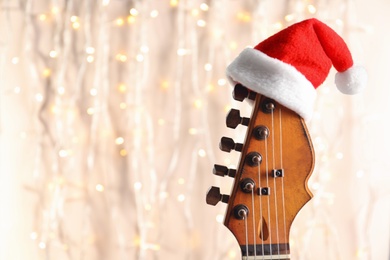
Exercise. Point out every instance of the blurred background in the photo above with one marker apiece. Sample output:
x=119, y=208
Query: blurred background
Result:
x=111, y=115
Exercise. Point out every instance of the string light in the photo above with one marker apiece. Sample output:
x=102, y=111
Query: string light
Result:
x=180, y=181
x=277, y=26
x=232, y=254
x=130, y=19
x=61, y=90
x=133, y=12
x=244, y=16
x=15, y=60
x=17, y=90
x=39, y=97
x=202, y=153
x=33, y=235
x=119, y=140
x=182, y=52
x=233, y=45
x=123, y=152
x=195, y=12
x=192, y=131
x=90, y=59
x=144, y=49
x=76, y=25
x=99, y=187
x=198, y=103
x=208, y=67
x=204, y=7
x=122, y=88
x=42, y=17
x=210, y=87
x=173, y=3
x=46, y=72
x=148, y=207
x=219, y=218
x=154, y=13
x=55, y=10
x=63, y=153
x=289, y=17
x=121, y=57
x=137, y=185
x=90, y=111
x=53, y=54
x=339, y=155
x=181, y=198
x=90, y=50
x=140, y=58
x=221, y=82
x=122, y=105
x=201, y=23
x=311, y=9
x=120, y=21
x=93, y=92
x=165, y=85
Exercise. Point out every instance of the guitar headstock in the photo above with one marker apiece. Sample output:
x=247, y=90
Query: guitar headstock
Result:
x=270, y=183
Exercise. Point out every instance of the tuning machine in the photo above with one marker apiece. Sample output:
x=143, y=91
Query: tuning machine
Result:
x=233, y=119
x=227, y=144
x=222, y=171
x=240, y=93
x=214, y=196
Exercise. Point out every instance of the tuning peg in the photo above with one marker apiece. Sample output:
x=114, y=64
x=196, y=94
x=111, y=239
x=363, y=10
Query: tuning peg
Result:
x=227, y=144
x=233, y=119
x=240, y=93
x=214, y=196
x=222, y=171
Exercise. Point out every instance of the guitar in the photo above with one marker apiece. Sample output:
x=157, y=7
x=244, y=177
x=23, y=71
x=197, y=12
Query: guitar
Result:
x=270, y=184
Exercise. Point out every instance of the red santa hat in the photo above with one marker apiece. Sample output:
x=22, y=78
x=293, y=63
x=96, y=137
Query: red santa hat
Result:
x=290, y=65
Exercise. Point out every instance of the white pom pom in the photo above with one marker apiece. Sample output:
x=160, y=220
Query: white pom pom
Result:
x=351, y=81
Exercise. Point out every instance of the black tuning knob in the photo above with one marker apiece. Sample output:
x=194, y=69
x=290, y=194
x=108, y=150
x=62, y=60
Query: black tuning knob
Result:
x=222, y=171
x=240, y=93
x=233, y=119
x=227, y=144
x=214, y=196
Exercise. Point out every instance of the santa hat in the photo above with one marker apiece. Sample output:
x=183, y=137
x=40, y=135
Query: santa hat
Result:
x=290, y=65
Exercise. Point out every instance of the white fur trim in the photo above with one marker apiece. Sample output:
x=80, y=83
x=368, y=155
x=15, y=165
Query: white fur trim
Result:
x=351, y=81
x=274, y=79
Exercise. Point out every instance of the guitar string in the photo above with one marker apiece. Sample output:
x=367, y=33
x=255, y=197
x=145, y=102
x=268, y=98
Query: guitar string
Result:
x=281, y=166
x=261, y=211
x=254, y=222
x=275, y=190
x=268, y=201
x=246, y=235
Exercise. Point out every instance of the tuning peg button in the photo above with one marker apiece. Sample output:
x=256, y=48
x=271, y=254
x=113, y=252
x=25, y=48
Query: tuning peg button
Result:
x=240, y=93
x=222, y=171
x=227, y=144
x=214, y=196
x=233, y=119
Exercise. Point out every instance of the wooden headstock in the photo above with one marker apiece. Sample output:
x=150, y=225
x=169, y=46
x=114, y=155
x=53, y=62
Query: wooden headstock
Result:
x=270, y=183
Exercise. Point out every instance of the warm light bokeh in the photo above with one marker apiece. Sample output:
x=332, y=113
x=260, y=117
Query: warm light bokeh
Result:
x=110, y=118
